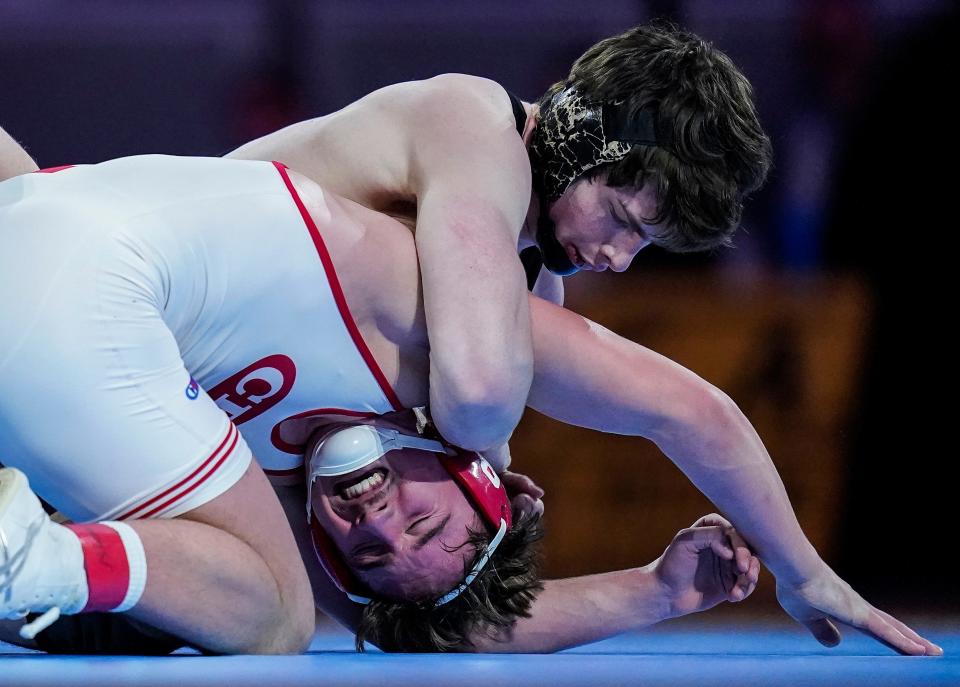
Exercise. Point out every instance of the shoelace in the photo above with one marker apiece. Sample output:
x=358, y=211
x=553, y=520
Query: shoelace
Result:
x=11, y=566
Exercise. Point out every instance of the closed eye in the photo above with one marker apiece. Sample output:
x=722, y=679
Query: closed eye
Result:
x=417, y=523
x=632, y=223
x=620, y=220
x=370, y=557
x=379, y=560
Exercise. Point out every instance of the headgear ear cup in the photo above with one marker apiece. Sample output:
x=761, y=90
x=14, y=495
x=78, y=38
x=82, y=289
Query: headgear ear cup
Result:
x=482, y=486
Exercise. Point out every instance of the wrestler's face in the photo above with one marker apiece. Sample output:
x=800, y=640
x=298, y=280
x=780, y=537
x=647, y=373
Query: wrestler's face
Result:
x=600, y=226
x=398, y=534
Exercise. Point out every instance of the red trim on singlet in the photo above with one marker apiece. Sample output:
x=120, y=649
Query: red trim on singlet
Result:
x=226, y=447
x=51, y=170
x=338, y=291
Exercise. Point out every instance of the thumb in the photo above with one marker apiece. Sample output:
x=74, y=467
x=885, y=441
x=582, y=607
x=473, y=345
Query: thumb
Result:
x=519, y=483
x=824, y=631
x=709, y=537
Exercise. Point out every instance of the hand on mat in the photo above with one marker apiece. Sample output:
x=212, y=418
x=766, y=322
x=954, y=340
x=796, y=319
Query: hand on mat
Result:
x=525, y=496
x=826, y=598
x=706, y=564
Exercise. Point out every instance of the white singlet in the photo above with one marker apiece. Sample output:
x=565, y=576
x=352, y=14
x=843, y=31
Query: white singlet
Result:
x=151, y=306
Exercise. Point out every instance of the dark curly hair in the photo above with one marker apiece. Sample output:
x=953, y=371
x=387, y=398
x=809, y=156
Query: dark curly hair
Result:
x=719, y=152
x=502, y=592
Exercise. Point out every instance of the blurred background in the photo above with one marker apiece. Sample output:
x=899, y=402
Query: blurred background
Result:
x=828, y=323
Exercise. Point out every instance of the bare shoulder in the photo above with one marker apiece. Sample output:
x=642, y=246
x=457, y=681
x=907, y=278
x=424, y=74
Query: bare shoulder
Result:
x=487, y=98
x=465, y=140
x=450, y=100
x=449, y=103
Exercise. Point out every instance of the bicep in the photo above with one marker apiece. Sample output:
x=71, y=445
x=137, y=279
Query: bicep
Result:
x=473, y=189
x=472, y=194
x=467, y=249
x=470, y=173
x=586, y=375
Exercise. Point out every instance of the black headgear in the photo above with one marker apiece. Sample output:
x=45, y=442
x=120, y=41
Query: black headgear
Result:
x=573, y=136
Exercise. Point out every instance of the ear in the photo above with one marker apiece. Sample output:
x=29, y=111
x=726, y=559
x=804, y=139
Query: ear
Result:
x=532, y=120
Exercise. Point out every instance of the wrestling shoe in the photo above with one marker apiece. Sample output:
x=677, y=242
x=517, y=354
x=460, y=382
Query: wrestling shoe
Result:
x=41, y=562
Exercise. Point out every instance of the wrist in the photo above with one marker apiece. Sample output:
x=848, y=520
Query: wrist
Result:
x=800, y=570
x=659, y=601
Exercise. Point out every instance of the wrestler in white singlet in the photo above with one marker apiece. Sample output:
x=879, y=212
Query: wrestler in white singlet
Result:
x=146, y=303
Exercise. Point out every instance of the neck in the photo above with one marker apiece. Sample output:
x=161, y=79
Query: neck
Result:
x=528, y=233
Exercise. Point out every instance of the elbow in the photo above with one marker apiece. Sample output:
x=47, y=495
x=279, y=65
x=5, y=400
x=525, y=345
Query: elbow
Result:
x=478, y=412
x=705, y=419
x=714, y=408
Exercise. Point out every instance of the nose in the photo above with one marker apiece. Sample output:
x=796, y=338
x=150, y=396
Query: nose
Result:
x=371, y=512
x=619, y=257
x=381, y=521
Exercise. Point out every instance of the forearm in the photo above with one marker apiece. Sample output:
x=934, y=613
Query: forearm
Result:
x=721, y=453
x=14, y=160
x=478, y=325
x=579, y=610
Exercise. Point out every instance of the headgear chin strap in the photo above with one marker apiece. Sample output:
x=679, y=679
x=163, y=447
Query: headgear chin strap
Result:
x=347, y=448
x=554, y=256
x=573, y=136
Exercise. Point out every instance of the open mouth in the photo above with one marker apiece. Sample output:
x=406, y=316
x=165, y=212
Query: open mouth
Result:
x=362, y=485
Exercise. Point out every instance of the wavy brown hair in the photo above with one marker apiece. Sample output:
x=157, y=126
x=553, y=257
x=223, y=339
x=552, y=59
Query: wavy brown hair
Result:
x=718, y=154
x=502, y=592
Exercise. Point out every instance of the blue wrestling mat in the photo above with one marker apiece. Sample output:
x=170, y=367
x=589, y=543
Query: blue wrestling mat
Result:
x=683, y=652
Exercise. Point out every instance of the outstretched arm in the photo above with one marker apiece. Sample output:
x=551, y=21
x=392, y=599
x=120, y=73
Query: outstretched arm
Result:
x=14, y=160
x=586, y=375
x=704, y=565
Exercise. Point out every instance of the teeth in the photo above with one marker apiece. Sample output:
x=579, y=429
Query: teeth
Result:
x=362, y=487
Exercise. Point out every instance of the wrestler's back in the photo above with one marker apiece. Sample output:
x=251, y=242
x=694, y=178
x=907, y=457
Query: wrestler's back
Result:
x=365, y=151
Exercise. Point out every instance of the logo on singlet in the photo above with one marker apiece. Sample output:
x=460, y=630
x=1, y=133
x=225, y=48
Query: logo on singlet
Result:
x=256, y=388
x=192, y=390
